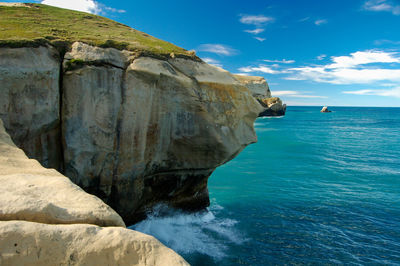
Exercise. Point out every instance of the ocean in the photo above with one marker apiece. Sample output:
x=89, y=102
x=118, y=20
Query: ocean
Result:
x=317, y=188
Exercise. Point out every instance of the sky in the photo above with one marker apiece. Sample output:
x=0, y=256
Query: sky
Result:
x=311, y=52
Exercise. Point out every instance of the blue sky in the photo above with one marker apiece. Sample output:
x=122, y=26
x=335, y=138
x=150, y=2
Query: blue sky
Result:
x=312, y=52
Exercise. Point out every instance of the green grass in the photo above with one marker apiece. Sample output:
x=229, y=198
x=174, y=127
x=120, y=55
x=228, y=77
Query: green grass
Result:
x=39, y=24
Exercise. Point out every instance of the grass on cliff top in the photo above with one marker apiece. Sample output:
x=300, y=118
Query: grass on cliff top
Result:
x=36, y=24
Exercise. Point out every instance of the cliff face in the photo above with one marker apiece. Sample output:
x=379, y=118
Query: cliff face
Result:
x=44, y=220
x=273, y=106
x=133, y=130
x=29, y=101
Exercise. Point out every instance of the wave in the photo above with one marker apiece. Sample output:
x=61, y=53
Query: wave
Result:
x=270, y=117
x=190, y=233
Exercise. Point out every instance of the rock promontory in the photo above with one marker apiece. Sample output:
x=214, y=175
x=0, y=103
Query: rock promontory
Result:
x=273, y=106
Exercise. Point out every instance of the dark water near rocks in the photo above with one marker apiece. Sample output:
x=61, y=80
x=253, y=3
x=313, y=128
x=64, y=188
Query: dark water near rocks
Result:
x=316, y=189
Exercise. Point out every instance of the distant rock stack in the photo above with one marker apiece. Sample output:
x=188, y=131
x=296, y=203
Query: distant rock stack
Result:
x=258, y=86
x=325, y=110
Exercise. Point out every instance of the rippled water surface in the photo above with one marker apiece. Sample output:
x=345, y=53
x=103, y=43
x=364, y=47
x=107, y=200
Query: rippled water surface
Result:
x=317, y=188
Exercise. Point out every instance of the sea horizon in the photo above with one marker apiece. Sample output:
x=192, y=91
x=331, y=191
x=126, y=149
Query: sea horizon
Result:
x=315, y=189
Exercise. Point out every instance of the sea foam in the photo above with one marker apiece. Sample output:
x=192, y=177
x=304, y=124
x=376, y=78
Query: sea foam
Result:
x=189, y=233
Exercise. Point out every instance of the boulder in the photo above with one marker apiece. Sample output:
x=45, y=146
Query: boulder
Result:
x=31, y=244
x=31, y=192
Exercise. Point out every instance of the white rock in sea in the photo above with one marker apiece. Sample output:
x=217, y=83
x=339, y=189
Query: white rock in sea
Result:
x=325, y=110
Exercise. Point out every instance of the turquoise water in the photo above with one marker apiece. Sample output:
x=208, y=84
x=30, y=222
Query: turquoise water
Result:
x=317, y=188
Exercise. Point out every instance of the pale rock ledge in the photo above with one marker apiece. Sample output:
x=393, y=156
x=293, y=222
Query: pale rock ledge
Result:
x=31, y=192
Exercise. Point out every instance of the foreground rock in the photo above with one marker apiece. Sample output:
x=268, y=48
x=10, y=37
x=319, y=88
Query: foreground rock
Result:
x=27, y=243
x=273, y=106
x=32, y=193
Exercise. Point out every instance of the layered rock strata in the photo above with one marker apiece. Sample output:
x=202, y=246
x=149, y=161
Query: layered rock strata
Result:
x=133, y=130
x=273, y=106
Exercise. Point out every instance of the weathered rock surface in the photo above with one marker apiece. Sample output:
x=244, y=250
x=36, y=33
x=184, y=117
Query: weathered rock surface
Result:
x=273, y=106
x=31, y=192
x=87, y=53
x=29, y=101
x=152, y=132
x=35, y=200
x=133, y=131
x=257, y=85
x=27, y=243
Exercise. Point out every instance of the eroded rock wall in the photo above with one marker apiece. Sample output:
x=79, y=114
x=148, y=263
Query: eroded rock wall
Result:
x=29, y=101
x=137, y=131
x=45, y=219
x=30, y=192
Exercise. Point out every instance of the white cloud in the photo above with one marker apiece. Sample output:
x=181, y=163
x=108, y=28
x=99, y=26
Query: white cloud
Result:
x=394, y=92
x=283, y=61
x=89, y=6
x=382, y=5
x=362, y=58
x=255, y=31
x=304, y=19
x=260, y=68
x=212, y=61
x=255, y=19
x=353, y=69
x=382, y=42
x=219, y=49
x=296, y=94
x=260, y=39
x=320, y=22
x=111, y=9
x=321, y=57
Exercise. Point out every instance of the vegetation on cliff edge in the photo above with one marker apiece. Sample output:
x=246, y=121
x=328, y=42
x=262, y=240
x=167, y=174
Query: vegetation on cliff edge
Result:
x=37, y=24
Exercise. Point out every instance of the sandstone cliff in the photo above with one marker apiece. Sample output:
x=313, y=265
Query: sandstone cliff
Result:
x=133, y=126
x=34, y=201
x=273, y=106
